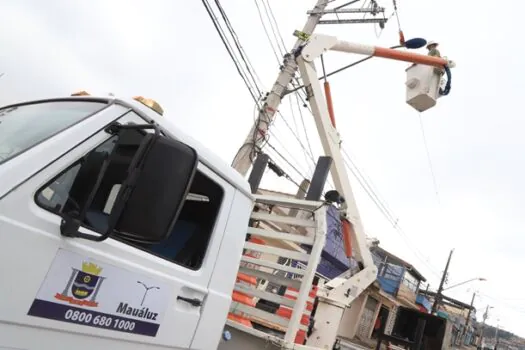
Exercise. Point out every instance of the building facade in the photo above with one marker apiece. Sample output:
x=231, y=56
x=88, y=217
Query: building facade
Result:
x=397, y=285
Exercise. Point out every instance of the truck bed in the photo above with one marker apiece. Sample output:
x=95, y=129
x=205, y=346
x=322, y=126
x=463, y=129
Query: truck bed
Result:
x=274, y=295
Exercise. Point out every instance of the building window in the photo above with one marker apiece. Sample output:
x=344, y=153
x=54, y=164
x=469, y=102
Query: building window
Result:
x=410, y=281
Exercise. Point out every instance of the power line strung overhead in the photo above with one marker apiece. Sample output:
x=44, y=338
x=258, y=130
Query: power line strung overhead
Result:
x=253, y=83
x=251, y=86
x=354, y=169
x=247, y=72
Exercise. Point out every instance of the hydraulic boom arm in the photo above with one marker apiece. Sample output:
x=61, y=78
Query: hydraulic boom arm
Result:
x=340, y=292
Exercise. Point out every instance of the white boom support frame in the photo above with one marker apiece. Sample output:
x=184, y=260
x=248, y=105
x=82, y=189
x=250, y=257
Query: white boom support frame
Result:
x=336, y=295
x=332, y=303
x=340, y=292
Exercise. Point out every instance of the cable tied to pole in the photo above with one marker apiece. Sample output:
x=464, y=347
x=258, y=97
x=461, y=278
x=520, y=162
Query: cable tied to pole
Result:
x=446, y=90
x=401, y=35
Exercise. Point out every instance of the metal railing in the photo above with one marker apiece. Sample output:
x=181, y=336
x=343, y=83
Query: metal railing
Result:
x=282, y=242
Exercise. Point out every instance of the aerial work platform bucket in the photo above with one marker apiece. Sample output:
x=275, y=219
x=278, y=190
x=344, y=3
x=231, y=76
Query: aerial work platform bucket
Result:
x=422, y=84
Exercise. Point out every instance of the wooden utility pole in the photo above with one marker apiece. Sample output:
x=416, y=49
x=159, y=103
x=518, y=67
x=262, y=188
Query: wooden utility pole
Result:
x=439, y=295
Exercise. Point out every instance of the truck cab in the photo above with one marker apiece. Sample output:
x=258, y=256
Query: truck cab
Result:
x=118, y=230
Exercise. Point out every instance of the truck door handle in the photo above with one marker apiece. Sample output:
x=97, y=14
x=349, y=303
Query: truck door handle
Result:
x=194, y=302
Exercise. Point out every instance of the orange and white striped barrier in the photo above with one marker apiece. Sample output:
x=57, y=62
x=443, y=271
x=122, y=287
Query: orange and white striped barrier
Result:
x=282, y=311
x=243, y=298
x=286, y=312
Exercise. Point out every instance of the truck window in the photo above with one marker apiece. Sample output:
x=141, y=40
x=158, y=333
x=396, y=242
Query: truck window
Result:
x=25, y=126
x=68, y=193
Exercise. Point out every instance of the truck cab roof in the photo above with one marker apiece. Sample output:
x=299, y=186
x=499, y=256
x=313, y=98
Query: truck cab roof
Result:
x=206, y=156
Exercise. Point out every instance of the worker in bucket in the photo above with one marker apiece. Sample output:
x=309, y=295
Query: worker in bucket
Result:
x=432, y=49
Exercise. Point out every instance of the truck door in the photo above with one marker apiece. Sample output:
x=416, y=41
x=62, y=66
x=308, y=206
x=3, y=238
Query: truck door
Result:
x=113, y=294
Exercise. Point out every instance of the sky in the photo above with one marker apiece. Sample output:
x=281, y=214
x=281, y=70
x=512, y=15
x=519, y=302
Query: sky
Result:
x=169, y=52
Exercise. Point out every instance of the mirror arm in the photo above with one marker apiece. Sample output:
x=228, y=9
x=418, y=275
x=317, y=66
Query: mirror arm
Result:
x=69, y=226
x=114, y=128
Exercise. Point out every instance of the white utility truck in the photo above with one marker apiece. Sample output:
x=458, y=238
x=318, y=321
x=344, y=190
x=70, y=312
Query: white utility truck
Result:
x=120, y=232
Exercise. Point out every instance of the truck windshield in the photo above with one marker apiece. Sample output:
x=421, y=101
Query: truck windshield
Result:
x=25, y=126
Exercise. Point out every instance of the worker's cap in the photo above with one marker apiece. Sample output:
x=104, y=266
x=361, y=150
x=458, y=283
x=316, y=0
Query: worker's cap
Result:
x=432, y=43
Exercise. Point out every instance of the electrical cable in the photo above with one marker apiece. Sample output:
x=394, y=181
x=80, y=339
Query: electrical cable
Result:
x=394, y=2
x=298, y=168
x=276, y=25
x=308, y=151
x=293, y=116
x=296, y=137
x=297, y=128
x=257, y=136
x=369, y=188
x=387, y=213
x=266, y=32
x=229, y=48
x=304, y=127
x=287, y=161
x=273, y=30
x=277, y=34
x=269, y=15
x=379, y=203
x=448, y=85
x=248, y=64
x=280, y=172
x=429, y=159
x=355, y=63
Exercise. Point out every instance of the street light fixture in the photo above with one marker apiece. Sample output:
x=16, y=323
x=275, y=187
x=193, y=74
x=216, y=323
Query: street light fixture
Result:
x=465, y=282
x=439, y=294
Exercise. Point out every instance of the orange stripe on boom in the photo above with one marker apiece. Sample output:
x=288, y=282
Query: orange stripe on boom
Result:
x=348, y=231
x=329, y=103
x=409, y=57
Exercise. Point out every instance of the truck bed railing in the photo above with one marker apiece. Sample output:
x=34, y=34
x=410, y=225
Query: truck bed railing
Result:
x=274, y=239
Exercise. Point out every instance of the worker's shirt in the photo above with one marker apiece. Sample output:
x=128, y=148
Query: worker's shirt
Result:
x=434, y=52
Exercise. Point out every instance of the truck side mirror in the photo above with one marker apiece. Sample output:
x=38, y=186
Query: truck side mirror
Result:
x=152, y=196
x=155, y=172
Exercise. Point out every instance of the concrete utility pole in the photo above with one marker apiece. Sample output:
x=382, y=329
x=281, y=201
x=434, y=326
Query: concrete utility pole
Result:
x=439, y=295
x=244, y=158
x=468, y=316
x=497, y=337
x=253, y=142
x=485, y=316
